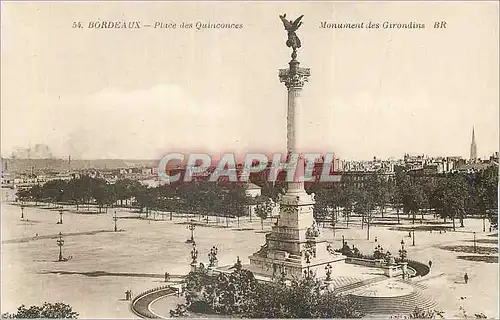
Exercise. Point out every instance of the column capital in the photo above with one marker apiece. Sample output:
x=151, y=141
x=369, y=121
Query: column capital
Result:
x=294, y=76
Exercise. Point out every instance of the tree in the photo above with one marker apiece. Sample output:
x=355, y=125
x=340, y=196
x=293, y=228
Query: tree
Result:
x=349, y=197
x=483, y=193
x=102, y=193
x=412, y=195
x=379, y=188
x=264, y=208
x=238, y=201
x=36, y=193
x=124, y=189
x=335, y=203
x=240, y=294
x=232, y=201
x=303, y=298
x=143, y=198
x=222, y=293
x=451, y=196
x=75, y=193
x=54, y=190
x=322, y=205
x=364, y=206
x=396, y=201
x=23, y=194
x=429, y=185
x=48, y=310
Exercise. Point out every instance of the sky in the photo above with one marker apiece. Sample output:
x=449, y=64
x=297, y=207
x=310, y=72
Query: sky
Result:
x=141, y=93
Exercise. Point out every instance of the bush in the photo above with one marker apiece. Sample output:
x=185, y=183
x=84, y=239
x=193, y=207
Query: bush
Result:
x=240, y=294
x=48, y=310
x=200, y=307
x=419, y=313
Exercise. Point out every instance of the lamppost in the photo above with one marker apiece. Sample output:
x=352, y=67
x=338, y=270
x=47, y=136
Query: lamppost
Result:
x=328, y=269
x=474, y=233
x=402, y=251
x=191, y=227
x=484, y=218
x=60, y=243
x=308, y=273
x=379, y=252
x=413, y=237
x=194, y=256
x=115, y=218
x=212, y=257
x=283, y=273
x=60, y=216
x=343, y=241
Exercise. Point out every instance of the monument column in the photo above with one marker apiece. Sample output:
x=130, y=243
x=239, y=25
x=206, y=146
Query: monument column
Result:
x=294, y=78
x=294, y=245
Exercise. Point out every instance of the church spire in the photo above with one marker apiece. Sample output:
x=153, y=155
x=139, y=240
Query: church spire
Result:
x=473, y=146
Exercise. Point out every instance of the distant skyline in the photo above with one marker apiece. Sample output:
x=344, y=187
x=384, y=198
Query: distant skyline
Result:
x=138, y=94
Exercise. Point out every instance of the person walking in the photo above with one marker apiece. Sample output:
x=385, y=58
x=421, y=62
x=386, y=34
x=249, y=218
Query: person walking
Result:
x=466, y=278
x=430, y=264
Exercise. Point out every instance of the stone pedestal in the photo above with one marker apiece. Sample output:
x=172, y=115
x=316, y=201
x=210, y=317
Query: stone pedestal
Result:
x=392, y=270
x=404, y=269
x=193, y=267
x=294, y=244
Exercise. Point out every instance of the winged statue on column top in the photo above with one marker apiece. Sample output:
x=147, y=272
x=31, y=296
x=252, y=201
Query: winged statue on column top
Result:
x=292, y=26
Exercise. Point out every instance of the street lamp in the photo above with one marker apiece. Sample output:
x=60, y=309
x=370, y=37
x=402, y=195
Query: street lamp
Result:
x=484, y=222
x=474, y=233
x=413, y=238
x=115, y=218
x=191, y=227
x=328, y=269
x=60, y=216
x=308, y=273
x=212, y=257
x=283, y=273
x=60, y=243
x=194, y=256
x=343, y=241
x=402, y=251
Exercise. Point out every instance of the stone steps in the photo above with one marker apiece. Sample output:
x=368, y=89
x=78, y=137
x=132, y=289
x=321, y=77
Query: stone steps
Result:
x=339, y=282
x=352, y=286
x=396, y=305
x=415, y=284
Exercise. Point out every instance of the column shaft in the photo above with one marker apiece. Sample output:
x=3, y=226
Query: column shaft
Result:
x=294, y=144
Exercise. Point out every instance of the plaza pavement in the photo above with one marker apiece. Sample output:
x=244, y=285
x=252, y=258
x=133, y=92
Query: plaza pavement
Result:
x=137, y=258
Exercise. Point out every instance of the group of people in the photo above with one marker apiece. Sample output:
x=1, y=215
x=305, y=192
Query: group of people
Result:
x=128, y=295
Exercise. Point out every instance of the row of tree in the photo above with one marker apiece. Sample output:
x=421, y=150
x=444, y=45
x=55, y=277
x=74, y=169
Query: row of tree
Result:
x=197, y=198
x=449, y=196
